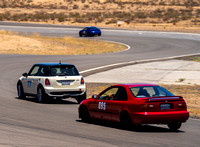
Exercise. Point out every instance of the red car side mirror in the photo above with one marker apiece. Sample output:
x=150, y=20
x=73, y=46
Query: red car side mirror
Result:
x=94, y=96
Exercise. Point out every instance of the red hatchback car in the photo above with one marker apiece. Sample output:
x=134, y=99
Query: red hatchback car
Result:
x=132, y=104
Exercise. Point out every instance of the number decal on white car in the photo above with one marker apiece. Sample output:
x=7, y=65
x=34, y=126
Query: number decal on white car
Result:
x=29, y=83
x=102, y=106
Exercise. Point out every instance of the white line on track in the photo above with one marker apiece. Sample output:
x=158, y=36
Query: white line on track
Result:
x=147, y=32
x=105, y=29
x=128, y=47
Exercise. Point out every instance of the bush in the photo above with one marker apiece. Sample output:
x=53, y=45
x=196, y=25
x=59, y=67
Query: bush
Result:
x=170, y=14
x=156, y=14
x=1, y=17
x=198, y=13
x=111, y=21
x=140, y=15
x=61, y=18
x=75, y=6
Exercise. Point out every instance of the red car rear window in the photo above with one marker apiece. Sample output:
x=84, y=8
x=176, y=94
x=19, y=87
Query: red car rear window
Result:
x=149, y=91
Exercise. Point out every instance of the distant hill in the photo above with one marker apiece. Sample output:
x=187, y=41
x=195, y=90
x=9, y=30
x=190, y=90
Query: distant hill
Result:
x=119, y=13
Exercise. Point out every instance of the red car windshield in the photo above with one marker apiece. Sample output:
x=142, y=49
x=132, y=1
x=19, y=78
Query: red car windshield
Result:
x=149, y=91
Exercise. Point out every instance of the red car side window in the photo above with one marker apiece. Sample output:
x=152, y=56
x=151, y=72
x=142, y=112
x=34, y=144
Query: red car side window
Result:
x=109, y=94
x=115, y=93
x=121, y=94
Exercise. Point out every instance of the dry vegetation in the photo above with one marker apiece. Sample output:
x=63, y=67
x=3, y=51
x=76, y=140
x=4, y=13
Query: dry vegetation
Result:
x=135, y=14
x=11, y=43
x=195, y=58
x=190, y=93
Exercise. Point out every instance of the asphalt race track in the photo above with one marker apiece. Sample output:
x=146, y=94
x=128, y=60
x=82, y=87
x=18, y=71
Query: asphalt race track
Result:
x=56, y=124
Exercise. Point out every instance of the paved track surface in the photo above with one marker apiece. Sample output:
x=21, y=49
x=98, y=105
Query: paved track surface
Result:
x=161, y=72
x=27, y=123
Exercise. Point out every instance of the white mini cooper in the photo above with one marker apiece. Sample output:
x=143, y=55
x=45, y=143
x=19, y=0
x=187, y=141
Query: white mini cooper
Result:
x=52, y=80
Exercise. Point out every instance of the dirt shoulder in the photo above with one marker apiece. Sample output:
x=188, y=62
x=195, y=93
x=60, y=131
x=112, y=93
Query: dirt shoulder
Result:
x=12, y=43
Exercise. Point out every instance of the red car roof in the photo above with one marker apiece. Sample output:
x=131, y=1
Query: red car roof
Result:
x=135, y=84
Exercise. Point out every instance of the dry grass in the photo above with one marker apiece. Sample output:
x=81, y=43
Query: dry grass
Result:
x=11, y=43
x=190, y=94
x=195, y=58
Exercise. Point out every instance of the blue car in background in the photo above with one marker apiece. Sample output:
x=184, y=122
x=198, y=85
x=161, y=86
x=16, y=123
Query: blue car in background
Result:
x=90, y=31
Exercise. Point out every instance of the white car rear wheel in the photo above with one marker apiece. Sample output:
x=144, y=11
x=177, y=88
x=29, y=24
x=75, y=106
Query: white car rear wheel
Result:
x=40, y=95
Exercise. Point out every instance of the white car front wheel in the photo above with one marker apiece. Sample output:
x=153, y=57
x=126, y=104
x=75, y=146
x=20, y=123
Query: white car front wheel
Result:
x=20, y=91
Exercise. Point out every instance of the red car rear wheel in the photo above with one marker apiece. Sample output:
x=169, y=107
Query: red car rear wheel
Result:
x=174, y=126
x=125, y=120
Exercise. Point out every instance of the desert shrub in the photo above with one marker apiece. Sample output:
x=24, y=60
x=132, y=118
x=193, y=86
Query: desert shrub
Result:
x=83, y=1
x=69, y=0
x=52, y=6
x=195, y=22
x=7, y=15
x=141, y=15
x=110, y=1
x=156, y=14
x=96, y=1
x=41, y=15
x=191, y=3
x=142, y=21
x=61, y=17
x=185, y=14
x=86, y=6
x=121, y=14
x=162, y=3
x=99, y=19
x=1, y=17
x=64, y=7
x=170, y=14
x=75, y=6
x=15, y=17
x=111, y=21
x=74, y=15
x=198, y=13
x=81, y=20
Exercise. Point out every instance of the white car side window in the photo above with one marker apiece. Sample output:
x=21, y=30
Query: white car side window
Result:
x=34, y=71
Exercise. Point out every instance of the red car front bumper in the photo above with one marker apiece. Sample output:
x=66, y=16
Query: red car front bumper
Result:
x=159, y=117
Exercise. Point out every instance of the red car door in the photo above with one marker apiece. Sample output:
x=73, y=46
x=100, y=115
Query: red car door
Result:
x=101, y=108
x=119, y=102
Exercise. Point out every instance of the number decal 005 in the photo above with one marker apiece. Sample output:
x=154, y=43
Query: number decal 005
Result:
x=102, y=106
